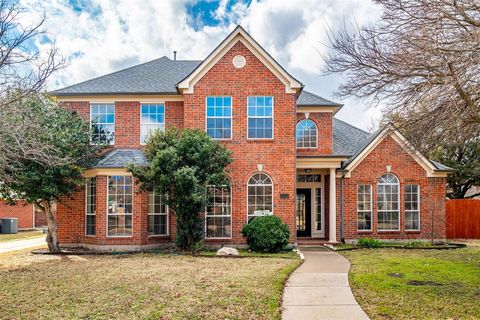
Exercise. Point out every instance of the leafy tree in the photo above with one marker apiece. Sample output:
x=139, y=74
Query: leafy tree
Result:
x=464, y=157
x=182, y=164
x=59, y=174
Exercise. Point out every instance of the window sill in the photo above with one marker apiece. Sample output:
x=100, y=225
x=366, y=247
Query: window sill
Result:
x=159, y=236
x=389, y=231
x=261, y=140
x=365, y=231
x=413, y=231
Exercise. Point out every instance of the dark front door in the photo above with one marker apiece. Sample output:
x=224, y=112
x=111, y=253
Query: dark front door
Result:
x=304, y=197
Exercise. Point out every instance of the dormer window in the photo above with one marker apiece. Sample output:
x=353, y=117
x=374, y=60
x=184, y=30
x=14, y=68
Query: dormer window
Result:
x=307, y=134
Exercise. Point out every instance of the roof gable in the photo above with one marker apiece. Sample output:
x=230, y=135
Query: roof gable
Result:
x=292, y=85
x=374, y=140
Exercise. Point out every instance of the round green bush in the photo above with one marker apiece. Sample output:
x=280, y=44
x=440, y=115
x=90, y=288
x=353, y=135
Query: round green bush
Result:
x=266, y=234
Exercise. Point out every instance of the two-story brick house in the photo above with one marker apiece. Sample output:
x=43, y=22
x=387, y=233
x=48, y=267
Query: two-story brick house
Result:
x=323, y=177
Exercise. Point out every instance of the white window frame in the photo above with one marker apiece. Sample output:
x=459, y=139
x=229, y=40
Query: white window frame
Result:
x=366, y=211
x=87, y=196
x=158, y=214
x=267, y=185
x=219, y=117
x=418, y=208
x=160, y=126
x=398, y=201
x=319, y=211
x=220, y=216
x=262, y=117
x=109, y=214
x=316, y=134
x=114, y=120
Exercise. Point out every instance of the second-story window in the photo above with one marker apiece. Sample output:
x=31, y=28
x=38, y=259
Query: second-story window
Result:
x=152, y=118
x=102, y=123
x=307, y=135
x=260, y=117
x=219, y=117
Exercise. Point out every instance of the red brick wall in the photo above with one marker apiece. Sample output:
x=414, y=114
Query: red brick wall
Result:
x=127, y=119
x=277, y=155
x=324, y=122
x=408, y=171
x=71, y=220
x=22, y=211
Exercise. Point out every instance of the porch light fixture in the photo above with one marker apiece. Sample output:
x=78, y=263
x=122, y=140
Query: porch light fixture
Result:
x=308, y=170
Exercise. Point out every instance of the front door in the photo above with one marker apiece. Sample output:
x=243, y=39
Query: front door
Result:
x=304, y=200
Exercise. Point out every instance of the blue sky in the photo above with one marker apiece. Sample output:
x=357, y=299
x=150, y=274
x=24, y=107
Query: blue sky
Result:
x=101, y=36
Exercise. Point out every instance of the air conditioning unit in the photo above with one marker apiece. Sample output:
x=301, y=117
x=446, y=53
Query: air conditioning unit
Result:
x=9, y=225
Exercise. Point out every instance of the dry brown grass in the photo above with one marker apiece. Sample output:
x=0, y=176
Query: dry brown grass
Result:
x=21, y=235
x=144, y=286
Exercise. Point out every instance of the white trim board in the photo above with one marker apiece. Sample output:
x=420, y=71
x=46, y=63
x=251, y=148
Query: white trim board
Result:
x=426, y=164
x=240, y=35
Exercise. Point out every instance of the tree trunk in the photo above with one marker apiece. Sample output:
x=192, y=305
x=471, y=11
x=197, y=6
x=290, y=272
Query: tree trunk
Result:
x=52, y=237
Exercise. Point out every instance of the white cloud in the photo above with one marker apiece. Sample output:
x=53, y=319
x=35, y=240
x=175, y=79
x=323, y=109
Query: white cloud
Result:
x=117, y=34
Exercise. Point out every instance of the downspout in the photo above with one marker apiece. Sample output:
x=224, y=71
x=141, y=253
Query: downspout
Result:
x=342, y=236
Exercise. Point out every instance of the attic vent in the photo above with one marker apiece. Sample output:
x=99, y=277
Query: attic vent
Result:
x=239, y=61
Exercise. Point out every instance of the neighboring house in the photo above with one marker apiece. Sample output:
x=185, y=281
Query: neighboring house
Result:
x=28, y=216
x=323, y=177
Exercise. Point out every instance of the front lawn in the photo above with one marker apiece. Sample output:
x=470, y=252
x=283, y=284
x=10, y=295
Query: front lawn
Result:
x=417, y=284
x=21, y=235
x=145, y=286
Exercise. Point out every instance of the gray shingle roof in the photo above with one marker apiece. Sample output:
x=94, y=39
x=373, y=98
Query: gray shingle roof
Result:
x=158, y=76
x=347, y=139
x=121, y=158
x=310, y=99
x=441, y=167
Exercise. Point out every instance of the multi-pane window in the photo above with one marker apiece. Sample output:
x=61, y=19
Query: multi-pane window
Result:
x=260, y=117
x=90, y=206
x=318, y=205
x=412, y=208
x=218, y=213
x=364, y=207
x=309, y=177
x=219, y=117
x=152, y=118
x=120, y=206
x=388, y=207
x=157, y=214
x=307, y=135
x=260, y=196
x=102, y=123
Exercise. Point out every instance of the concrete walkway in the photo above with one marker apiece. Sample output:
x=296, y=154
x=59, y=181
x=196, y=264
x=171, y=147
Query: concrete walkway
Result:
x=319, y=289
x=21, y=244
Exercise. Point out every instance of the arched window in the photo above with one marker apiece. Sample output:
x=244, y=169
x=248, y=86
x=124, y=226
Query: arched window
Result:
x=388, y=205
x=260, y=196
x=307, y=134
x=218, y=212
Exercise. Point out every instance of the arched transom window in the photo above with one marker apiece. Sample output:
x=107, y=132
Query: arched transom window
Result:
x=307, y=134
x=388, y=205
x=260, y=196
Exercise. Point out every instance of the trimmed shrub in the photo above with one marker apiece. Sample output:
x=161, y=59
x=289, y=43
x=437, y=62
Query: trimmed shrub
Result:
x=369, y=243
x=266, y=234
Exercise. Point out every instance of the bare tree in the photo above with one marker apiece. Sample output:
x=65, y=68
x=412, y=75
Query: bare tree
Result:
x=23, y=72
x=421, y=60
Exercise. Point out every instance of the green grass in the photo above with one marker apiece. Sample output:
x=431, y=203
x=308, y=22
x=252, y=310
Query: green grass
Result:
x=146, y=286
x=417, y=284
x=21, y=235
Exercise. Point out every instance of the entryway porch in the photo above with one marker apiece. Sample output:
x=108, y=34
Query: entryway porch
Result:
x=316, y=214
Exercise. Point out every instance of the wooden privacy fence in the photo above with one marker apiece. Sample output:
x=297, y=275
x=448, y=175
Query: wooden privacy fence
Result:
x=463, y=219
